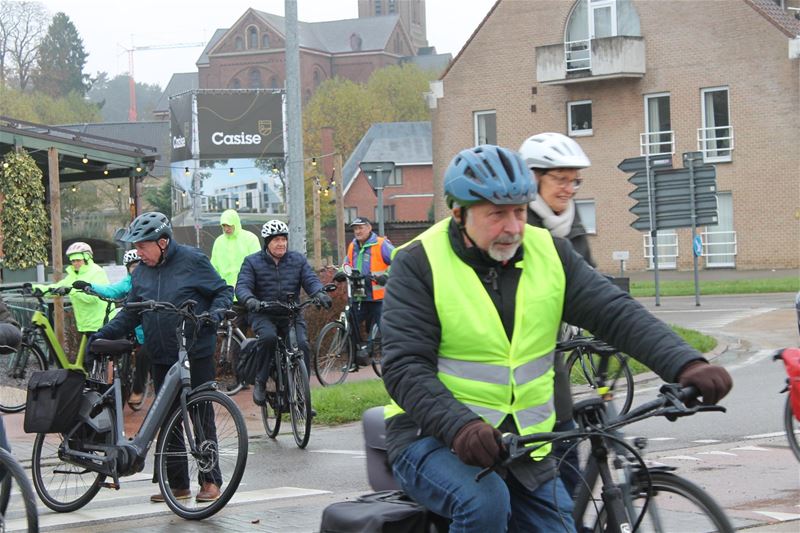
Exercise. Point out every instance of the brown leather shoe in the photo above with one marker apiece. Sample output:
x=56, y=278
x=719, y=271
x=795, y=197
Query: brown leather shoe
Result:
x=209, y=492
x=180, y=494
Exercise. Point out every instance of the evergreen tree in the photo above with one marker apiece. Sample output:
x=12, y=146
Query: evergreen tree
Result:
x=61, y=60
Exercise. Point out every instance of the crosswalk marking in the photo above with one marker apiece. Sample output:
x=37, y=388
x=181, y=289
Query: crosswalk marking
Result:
x=717, y=452
x=681, y=458
x=782, y=517
x=751, y=449
x=765, y=435
x=714, y=318
x=342, y=452
x=706, y=441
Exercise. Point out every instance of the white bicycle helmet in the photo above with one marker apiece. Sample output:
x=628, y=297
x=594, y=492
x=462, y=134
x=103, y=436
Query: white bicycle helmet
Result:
x=78, y=248
x=131, y=256
x=553, y=150
x=273, y=228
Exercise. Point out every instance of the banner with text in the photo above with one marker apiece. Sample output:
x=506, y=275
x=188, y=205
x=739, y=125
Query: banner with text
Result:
x=180, y=116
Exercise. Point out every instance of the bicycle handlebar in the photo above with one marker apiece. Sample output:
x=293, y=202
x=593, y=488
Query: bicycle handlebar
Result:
x=291, y=306
x=673, y=401
x=186, y=309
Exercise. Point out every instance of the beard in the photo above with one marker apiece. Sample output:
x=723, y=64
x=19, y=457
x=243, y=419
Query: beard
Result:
x=503, y=254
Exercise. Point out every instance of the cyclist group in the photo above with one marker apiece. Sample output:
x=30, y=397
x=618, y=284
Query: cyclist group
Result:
x=470, y=322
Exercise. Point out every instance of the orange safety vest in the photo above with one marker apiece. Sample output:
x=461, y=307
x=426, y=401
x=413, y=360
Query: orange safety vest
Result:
x=376, y=264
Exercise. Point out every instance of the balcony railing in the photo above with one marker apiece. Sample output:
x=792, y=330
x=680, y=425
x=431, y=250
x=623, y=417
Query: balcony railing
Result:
x=657, y=143
x=715, y=143
x=583, y=60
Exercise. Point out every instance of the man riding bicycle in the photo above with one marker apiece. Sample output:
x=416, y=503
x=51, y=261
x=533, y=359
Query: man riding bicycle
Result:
x=371, y=255
x=470, y=322
x=271, y=275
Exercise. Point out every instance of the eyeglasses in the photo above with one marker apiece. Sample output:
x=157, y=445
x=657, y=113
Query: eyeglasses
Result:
x=564, y=182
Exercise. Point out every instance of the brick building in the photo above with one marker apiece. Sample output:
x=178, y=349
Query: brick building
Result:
x=719, y=77
x=408, y=195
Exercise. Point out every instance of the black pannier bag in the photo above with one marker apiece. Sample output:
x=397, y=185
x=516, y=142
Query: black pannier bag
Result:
x=389, y=511
x=247, y=364
x=54, y=398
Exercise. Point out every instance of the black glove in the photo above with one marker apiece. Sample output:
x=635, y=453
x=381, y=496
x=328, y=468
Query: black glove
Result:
x=713, y=382
x=37, y=292
x=381, y=279
x=81, y=285
x=478, y=444
x=340, y=276
x=253, y=305
x=323, y=299
x=60, y=291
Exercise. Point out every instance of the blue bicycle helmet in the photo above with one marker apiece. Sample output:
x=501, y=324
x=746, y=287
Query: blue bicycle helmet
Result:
x=148, y=227
x=490, y=173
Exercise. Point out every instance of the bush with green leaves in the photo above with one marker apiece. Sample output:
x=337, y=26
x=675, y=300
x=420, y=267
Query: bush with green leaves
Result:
x=23, y=219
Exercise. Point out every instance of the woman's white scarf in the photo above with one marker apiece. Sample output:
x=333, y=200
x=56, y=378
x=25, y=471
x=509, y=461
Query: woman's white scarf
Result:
x=558, y=225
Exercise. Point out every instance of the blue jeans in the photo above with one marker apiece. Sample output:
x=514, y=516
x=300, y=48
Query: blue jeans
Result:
x=437, y=479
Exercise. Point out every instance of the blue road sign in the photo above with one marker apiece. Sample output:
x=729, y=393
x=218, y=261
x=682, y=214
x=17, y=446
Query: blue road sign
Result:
x=697, y=246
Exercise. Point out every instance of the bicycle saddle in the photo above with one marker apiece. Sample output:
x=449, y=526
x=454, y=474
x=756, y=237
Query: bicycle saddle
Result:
x=111, y=347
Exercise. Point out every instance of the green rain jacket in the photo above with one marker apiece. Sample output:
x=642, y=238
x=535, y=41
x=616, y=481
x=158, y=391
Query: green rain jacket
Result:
x=89, y=310
x=229, y=251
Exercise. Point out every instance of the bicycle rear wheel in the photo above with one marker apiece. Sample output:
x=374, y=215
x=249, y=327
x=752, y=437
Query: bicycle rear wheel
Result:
x=333, y=355
x=17, y=499
x=376, y=349
x=220, y=436
x=583, y=368
x=792, y=427
x=16, y=369
x=63, y=487
x=300, y=403
x=676, y=505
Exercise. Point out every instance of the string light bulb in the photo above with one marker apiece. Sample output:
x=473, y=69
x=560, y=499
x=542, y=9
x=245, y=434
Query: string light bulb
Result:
x=274, y=166
x=326, y=192
x=313, y=161
x=73, y=188
x=119, y=189
x=186, y=171
x=231, y=171
x=183, y=194
x=85, y=159
x=138, y=169
x=5, y=164
x=105, y=172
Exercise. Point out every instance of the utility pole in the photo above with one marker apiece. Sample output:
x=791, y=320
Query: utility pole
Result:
x=317, y=223
x=294, y=158
x=339, y=191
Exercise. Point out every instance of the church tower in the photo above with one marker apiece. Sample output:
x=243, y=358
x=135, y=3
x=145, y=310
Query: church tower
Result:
x=412, y=16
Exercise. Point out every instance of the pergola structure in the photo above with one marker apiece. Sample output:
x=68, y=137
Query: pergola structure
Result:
x=68, y=156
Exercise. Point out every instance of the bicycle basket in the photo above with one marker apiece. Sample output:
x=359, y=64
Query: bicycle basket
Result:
x=54, y=399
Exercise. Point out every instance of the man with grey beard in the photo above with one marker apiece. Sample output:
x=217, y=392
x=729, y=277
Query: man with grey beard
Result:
x=470, y=320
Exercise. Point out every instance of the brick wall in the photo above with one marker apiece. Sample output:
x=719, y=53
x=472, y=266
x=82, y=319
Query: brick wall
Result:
x=417, y=179
x=689, y=46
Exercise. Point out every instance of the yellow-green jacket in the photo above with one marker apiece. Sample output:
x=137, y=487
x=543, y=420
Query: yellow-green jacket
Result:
x=89, y=310
x=229, y=251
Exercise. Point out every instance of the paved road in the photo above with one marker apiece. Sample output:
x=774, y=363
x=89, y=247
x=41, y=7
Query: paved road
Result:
x=751, y=471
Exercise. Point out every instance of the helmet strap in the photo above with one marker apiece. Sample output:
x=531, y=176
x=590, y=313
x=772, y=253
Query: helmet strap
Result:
x=163, y=250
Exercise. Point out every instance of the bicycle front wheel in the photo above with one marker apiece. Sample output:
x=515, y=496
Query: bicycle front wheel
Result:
x=271, y=414
x=676, y=505
x=16, y=496
x=333, y=355
x=376, y=349
x=227, y=355
x=218, y=430
x=792, y=426
x=62, y=486
x=15, y=371
x=583, y=368
x=300, y=403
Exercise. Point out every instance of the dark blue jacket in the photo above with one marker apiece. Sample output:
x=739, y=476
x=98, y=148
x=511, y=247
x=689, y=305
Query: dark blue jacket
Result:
x=185, y=274
x=260, y=277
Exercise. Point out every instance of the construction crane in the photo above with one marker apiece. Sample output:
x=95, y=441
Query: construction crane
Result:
x=132, y=83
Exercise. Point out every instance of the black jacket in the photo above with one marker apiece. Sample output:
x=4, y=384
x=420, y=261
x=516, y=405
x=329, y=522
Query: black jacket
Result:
x=260, y=277
x=412, y=332
x=577, y=234
x=185, y=274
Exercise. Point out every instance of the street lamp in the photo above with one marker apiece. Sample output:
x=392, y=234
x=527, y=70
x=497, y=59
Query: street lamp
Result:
x=377, y=173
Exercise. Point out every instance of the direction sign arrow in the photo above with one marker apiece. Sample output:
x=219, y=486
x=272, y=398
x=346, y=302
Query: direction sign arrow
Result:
x=640, y=193
x=637, y=164
x=643, y=223
x=680, y=205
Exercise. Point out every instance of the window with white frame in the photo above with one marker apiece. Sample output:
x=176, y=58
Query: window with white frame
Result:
x=485, y=127
x=350, y=214
x=579, y=118
x=587, y=211
x=395, y=178
x=658, y=124
x=716, y=135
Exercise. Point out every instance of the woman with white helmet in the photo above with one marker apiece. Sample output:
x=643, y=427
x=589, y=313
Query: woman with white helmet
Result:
x=556, y=161
x=90, y=312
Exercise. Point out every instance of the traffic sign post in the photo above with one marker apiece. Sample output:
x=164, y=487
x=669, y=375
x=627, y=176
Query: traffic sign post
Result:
x=377, y=173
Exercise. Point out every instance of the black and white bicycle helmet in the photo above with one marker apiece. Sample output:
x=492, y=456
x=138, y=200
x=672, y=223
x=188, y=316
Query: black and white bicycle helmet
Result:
x=149, y=226
x=131, y=256
x=553, y=150
x=273, y=228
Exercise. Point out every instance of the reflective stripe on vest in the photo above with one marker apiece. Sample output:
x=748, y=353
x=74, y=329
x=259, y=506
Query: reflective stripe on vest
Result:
x=377, y=266
x=496, y=378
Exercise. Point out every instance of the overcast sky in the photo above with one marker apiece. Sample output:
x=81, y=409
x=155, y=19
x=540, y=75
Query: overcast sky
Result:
x=108, y=27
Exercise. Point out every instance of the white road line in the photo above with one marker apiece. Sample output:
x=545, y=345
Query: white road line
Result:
x=341, y=452
x=765, y=435
x=782, y=517
x=680, y=458
x=752, y=449
x=717, y=452
x=706, y=441
x=48, y=519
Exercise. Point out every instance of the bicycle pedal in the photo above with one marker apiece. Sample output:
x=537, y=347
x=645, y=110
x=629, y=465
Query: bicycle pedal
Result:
x=110, y=485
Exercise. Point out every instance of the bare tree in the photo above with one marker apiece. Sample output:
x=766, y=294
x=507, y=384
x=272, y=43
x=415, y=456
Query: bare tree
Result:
x=8, y=26
x=32, y=20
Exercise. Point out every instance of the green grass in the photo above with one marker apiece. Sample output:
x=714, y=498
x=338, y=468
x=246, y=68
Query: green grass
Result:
x=741, y=286
x=348, y=401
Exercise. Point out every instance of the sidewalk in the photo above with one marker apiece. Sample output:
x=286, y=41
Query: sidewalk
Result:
x=714, y=274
